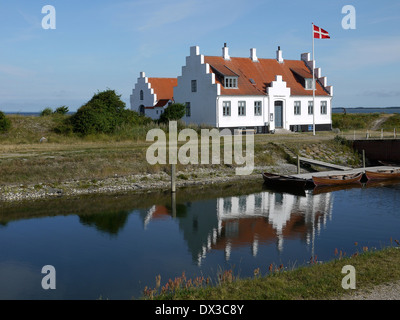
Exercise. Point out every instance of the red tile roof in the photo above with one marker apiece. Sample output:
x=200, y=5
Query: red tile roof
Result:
x=163, y=87
x=160, y=103
x=262, y=74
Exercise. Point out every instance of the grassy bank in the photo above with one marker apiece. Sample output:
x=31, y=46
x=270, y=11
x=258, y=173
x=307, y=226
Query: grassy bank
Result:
x=317, y=281
x=26, y=161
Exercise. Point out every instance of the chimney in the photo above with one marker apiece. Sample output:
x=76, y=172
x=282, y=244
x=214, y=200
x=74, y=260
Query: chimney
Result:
x=225, y=52
x=253, y=55
x=279, y=55
x=142, y=74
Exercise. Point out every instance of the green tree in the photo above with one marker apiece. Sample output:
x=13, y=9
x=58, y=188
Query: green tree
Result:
x=174, y=111
x=5, y=123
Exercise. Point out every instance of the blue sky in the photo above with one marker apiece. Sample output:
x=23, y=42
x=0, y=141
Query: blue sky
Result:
x=105, y=44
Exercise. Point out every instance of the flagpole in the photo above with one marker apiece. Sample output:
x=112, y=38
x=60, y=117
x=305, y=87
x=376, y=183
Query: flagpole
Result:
x=313, y=82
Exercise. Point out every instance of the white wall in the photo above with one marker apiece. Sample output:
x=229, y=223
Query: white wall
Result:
x=250, y=119
x=202, y=102
x=304, y=118
x=154, y=113
x=207, y=103
x=149, y=97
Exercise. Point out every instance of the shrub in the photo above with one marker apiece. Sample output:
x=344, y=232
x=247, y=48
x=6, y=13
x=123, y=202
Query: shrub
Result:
x=174, y=111
x=104, y=113
x=62, y=110
x=5, y=123
x=46, y=112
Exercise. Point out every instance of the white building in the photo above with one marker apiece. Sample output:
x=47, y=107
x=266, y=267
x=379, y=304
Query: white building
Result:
x=253, y=93
x=152, y=95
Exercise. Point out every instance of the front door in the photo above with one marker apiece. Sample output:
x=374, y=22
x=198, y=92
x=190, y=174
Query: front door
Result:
x=278, y=114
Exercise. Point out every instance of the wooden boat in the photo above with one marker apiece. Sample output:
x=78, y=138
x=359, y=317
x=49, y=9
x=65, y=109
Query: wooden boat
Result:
x=383, y=174
x=339, y=179
x=280, y=180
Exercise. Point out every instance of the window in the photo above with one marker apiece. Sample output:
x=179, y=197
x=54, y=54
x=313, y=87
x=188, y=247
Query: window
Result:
x=310, y=107
x=230, y=82
x=324, y=108
x=297, y=107
x=188, y=112
x=257, y=108
x=194, y=85
x=242, y=108
x=141, y=94
x=226, y=108
x=308, y=84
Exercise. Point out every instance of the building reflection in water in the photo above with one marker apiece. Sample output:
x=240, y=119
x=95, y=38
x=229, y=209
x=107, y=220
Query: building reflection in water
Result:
x=247, y=221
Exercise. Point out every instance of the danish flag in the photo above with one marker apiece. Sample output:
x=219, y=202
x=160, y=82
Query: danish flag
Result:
x=320, y=33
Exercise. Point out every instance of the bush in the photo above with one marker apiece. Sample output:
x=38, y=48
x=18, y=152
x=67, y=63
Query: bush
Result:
x=173, y=112
x=46, y=112
x=104, y=113
x=62, y=110
x=5, y=123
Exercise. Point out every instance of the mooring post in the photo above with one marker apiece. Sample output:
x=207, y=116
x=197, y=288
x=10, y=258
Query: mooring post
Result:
x=298, y=164
x=363, y=153
x=173, y=178
x=173, y=204
x=381, y=133
x=394, y=133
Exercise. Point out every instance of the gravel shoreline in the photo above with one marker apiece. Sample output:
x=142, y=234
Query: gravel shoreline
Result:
x=131, y=183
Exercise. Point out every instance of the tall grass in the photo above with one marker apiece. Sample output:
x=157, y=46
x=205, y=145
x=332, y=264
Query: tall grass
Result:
x=392, y=123
x=354, y=121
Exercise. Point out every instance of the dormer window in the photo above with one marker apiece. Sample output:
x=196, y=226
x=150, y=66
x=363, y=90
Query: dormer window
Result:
x=231, y=82
x=308, y=84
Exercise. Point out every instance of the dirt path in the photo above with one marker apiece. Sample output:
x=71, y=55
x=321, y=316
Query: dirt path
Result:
x=387, y=291
x=382, y=119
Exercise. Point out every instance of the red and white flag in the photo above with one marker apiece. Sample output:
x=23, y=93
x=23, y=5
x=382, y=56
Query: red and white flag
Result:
x=320, y=33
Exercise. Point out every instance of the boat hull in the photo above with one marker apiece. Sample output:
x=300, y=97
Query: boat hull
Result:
x=336, y=180
x=279, y=180
x=383, y=174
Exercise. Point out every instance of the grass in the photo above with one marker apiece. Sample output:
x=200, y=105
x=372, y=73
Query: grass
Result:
x=354, y=121
x=24, y=160
x=392, y=123
x=317, y=281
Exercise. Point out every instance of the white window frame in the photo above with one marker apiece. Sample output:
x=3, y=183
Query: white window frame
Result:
x=242, y=108
x=324, y=107
x=308, y=85
x=258, y=108
x=226, y=108
x=231, y=82
x=310, y=107
x=297, y=108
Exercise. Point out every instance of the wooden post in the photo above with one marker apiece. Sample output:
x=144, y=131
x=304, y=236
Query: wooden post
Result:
x=394, y=133
x=298, y=164
x=173, y=178
x=381, y=133
x=363, y=153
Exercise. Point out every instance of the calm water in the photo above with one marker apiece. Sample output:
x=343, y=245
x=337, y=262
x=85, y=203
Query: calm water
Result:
x=112, y=247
